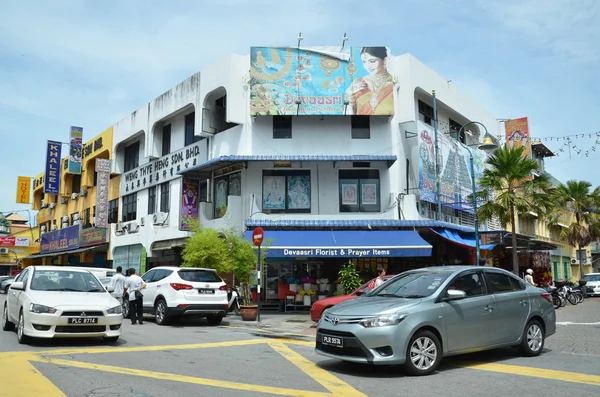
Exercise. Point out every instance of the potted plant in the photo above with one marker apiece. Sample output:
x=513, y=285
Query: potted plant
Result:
x=308, y=298
x=349, y=277
x=300, y=296
x=307, y=283
x=290, y=296
x=322, y=282
x=293, y=282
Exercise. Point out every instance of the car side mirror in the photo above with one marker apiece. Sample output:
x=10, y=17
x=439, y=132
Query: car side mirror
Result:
x=110, y=288
x=18, y=286
x=454, y=295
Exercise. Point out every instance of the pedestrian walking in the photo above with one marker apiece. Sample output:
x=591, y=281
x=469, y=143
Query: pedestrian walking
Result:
x=134, y=286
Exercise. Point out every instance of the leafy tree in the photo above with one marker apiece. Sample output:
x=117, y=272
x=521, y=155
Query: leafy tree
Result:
x=578, y=198
x=508, y=189
x=349, y=277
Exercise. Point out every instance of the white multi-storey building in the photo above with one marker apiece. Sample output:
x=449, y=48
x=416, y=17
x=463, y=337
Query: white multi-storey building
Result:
x=316, y=182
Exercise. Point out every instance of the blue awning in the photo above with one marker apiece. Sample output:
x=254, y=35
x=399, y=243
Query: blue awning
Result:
x=343, y=243
x=466, y=240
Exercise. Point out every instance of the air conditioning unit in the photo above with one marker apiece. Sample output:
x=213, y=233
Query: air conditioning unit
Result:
x=77, y=222
x=3, y=250
x=64, y=225
x=75, y=217
x=132, y=227
x=119, y=227
x=63, y=200
x=74, y=196
x=83, y=192
x=43, y=204
x=53, y=228
x=588, y=261
x=574, y=261
x=43, y=228
x=65, y=219
x=160, y=218
x=52, y=205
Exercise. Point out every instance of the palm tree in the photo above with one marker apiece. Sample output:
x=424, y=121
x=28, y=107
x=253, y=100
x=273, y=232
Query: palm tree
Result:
x=578, y=198
x=508, y=188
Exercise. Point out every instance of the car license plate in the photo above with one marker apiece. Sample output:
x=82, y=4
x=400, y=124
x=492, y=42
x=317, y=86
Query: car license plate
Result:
x=76, y=320
x=206, y=291
x=332, y=341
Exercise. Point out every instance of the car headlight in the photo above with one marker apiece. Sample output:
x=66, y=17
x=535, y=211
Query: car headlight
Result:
x=384, y=321
x=115, y=310
x=35, y=308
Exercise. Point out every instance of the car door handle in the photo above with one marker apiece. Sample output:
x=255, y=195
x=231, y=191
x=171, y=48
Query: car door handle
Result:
x=490, y=308
x=523, y=303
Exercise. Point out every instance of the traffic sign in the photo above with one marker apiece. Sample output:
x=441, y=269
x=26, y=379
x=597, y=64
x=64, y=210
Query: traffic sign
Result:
x=257, y=236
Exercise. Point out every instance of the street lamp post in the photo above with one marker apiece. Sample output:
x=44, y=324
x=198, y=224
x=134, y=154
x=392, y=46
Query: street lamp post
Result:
x=487, y=144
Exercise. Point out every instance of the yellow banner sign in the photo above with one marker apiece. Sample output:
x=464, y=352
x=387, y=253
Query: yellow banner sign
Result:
x=24, y=190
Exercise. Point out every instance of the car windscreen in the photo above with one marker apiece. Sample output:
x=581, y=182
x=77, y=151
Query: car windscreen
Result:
x=199, y=276
x=413, y=285
x=592, y=277
x=64, y=280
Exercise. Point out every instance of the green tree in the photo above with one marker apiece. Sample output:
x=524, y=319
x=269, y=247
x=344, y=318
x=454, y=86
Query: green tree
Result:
x=349, y=277
x=508, y=189
x=578, y=198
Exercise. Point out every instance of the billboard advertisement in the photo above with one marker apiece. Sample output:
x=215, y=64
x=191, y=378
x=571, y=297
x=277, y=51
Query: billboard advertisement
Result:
x=75, y=150
x=455, y=177
x=189, y=203
x=321, y=81
x=23, y=190
x=52, y=177
x=517, y=135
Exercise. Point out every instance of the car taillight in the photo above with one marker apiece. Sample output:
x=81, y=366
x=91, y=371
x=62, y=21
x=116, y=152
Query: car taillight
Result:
x=179, y=287
x=547, y=296
x=223, y=288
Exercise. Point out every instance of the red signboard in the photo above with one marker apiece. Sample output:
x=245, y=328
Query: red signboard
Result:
x=257, y=236
x=14, y=242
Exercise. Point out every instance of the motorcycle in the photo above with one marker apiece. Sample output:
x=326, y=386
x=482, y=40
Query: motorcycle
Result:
x=557, y=299
x=233, y=297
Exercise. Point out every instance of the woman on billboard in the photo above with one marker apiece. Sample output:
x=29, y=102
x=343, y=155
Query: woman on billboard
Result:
x=372, y=94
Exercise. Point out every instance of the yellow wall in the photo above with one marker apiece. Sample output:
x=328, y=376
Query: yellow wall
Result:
x=32, y=234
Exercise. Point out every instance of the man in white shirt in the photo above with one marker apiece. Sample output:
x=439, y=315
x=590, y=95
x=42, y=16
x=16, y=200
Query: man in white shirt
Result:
x=134, y=286
x=118, y=282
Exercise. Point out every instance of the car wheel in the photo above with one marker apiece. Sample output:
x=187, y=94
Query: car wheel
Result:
x=161, y=312
x=6, y=324
x=236, y=308
x=125, y=308
x=214, y=320
x=533, y=339
x=423, y=354
x=21, y=337
x=111, y=339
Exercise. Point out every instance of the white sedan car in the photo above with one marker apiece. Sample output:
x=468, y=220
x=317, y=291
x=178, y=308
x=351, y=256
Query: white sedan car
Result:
x=61, y=302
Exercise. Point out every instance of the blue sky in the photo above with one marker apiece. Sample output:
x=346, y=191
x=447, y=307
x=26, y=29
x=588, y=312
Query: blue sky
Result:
x=90, y=63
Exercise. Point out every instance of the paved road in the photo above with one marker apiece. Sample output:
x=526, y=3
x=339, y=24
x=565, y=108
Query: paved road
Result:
x=195, y=359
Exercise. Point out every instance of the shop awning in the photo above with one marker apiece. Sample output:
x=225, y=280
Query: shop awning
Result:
x=226, y=161
x=465, y=240
x=71, y=252
x=168, y=244
x=343, y=243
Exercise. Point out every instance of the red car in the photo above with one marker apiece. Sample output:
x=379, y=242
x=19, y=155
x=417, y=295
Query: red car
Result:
x=318, y=307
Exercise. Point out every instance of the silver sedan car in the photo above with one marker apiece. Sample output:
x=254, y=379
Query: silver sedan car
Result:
x=420, y=316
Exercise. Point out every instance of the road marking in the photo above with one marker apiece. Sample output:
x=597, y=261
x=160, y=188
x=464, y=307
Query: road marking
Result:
x=571, y=323
x=185, y=379
x=326, y=379
x=19, y=378
x=563, y=376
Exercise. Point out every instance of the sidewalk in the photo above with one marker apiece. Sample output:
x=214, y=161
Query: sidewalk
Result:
x=280, y=323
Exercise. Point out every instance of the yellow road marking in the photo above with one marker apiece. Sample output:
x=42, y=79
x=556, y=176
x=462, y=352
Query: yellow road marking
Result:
x=327, y=380
x=186, y=379
x=19, y=378
x=563, y=376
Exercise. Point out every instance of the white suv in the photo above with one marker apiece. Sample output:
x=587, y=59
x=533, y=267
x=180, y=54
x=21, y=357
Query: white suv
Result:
x=184, y=291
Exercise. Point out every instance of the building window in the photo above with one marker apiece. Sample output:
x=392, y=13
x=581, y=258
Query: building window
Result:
x=129, y=207
x=454, y=129
x=425, y=113
x=286, y=191
x=359, y=191
x=203, y=194
x=164, y=197
x=361, y=127
x=74, y=217
x=190, y=128
x=132, y=156
x=76, y=183
x=95, y=179
x=113, y=211
x=227, y=185
x=151, y=200
x=166, y=140
x=87, y=222
x=282, y=127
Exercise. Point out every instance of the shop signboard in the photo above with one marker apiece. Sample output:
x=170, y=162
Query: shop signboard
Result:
x=358, y=252
x=52, y=176
x=75, y=150
x=103, y=168
x=455, y=177
x=163, y=169
x=14, y=241
x=23, y=190
x=93, y=236
x=60, y=240
x=321, y=81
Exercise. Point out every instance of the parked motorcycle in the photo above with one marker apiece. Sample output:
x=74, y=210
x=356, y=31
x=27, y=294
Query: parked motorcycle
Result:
x=233, y=298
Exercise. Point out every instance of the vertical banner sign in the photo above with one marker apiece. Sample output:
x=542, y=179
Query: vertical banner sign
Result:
x=75, y=150
x=517, y=135
x=103, y=168
x=52, y=178
x=23, y=190
x=189, y=203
